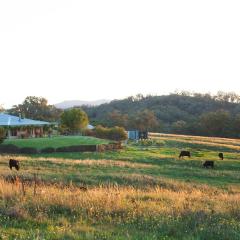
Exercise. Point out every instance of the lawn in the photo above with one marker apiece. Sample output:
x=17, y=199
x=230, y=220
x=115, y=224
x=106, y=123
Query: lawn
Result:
x=63, y=141
x=141, y=192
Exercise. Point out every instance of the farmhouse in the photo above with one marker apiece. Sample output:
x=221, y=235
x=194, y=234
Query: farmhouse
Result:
x=18, y=127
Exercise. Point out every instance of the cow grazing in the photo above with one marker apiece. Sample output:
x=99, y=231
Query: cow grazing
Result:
x=184, y=153
x=14, y=163
x=220, y=155
x=208, y=164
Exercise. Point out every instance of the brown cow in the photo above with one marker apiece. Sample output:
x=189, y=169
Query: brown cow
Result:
x=14, y=163
x=184, y=153
x=207, y=164
x=220, y=155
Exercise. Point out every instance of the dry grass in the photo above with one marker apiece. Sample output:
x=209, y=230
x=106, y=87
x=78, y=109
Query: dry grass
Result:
x=88, y=162
x=105, y=201
x=207, y=141
x=136, y=193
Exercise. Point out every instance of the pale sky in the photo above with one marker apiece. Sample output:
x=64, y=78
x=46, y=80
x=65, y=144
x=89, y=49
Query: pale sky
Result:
x=88, y=50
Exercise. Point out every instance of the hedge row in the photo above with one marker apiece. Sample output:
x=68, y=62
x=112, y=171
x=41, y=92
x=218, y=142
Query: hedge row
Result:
x=114, y=133
x=10, y=148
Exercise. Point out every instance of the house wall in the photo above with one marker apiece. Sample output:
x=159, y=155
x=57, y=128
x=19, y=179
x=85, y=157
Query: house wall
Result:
x=25, y=133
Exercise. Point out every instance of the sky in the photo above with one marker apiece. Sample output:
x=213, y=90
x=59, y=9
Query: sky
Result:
x=88, y=50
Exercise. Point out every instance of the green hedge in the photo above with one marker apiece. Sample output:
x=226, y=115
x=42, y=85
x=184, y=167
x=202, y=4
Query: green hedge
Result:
x=79, y=148
x=114, y=133
x=9, y=148
x=12, y=149
x=48, y=150
x=28, y=150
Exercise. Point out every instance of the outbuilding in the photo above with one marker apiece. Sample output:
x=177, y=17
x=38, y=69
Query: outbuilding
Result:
x=136, y=135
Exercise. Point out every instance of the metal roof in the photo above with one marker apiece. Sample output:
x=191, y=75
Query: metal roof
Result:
x=89, y=126
x=13, y=121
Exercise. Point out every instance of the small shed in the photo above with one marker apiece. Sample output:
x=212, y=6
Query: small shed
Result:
x=136, y=135
x=133, y=135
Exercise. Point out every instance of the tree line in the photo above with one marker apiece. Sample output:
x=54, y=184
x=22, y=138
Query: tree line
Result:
x=179, y=112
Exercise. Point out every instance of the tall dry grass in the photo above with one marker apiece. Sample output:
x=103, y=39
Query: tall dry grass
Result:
x=207, y=141
x=115, y=203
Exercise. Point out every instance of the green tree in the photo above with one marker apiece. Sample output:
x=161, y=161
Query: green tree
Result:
x=179, y=127
x=145, y=121
x=216, y=123
x=1, y=108
x=169, y=110
x=74, y=120
x=36, y=108
x=236, y=125
x=2, y=134
x=115, y=118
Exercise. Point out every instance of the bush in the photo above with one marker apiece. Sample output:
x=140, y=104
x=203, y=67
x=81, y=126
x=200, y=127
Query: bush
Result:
x=48, y=150
x=9, y=148
x=115, y=133
x=2, y=134
x=89, y=132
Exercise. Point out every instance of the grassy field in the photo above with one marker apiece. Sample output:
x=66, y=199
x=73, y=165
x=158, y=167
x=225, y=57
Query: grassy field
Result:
x=55, y=142
x=141, y=192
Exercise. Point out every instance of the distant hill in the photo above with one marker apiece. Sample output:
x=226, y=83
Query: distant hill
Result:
x=74, y=103
x=196, y=114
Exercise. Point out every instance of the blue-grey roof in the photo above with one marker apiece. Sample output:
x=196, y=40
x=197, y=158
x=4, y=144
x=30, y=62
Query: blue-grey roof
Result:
x=13, y=121
x=90, y=127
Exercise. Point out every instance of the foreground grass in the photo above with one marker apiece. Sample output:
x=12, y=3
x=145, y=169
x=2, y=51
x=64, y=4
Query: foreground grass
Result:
x=141, y=192
x=176, y=211
x=62, y=141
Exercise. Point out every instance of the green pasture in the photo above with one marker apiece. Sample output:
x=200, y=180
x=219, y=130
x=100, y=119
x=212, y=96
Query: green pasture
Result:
x=40, y=143
x=159, y=163
x=140, y=166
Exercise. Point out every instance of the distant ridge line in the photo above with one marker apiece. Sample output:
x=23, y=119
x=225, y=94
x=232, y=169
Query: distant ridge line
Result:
x=76, y=103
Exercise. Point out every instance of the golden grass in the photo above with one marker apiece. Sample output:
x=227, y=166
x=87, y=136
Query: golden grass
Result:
x=63, y=207
x=88, y=162
x=102, y=202
x=207, y=141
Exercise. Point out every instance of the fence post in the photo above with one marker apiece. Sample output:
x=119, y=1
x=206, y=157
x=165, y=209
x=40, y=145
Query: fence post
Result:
x=35, y=184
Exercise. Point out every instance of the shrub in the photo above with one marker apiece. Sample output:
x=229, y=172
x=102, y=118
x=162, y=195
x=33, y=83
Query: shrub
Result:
x=9, y=148
x=100, y=132
x=114, y=133
x=2, y=134
x=89, y=132
x=117, y=134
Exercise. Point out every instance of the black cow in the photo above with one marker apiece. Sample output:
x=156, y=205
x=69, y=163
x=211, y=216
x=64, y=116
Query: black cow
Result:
x=220, y=155
x=184, y=153
x=208, y=164
x=14, y=163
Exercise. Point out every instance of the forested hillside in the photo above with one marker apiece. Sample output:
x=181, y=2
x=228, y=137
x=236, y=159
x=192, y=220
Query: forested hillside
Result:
x=184, y=113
